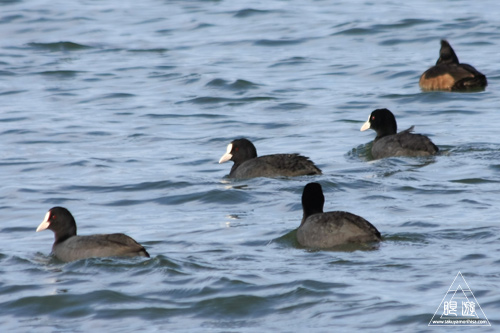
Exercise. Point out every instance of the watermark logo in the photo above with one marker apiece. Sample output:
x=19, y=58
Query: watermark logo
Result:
x=459, y=307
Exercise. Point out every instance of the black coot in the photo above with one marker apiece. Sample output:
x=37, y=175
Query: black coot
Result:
x=450, y=75
x=325, y=230
x=390, y=143
x=247, y=165
x=69, y=247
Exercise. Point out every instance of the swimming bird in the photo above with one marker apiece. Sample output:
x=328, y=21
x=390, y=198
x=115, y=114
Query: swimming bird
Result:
x=247, y=165
x=390, y=143
x=450, y=75
x=69, y=247
x=325, y=230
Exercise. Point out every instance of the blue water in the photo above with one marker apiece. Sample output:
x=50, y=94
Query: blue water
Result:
x=119, y=111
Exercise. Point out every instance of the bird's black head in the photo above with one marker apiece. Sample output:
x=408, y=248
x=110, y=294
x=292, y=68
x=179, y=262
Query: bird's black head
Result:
x=61, y=222
x=446, y=54
x=239, y=151
x=313, y=200
x=381, y=121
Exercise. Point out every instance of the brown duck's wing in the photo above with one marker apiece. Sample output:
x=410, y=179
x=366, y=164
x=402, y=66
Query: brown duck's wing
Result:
x=476, y=82
x=444, y=76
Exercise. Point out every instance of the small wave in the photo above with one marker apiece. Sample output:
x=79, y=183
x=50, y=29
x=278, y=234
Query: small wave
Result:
x=154, y=50
x=407, y=237
x=288, y=106
x=279, y=42
x=462, y=234
x=7, y=73
x=10, y=18
x=12, y=119
x=12, y=92
x=419, y=224
x=59, y=46
x=378, y=28
x=108, y=96
x=287, y=240
x=356, y=32
x=143, y=186
x=247, y=12
x=474, y=181
x=61, y=74
x=217, y=100
x=474, y=256
x=291, y=62
x=236, y=85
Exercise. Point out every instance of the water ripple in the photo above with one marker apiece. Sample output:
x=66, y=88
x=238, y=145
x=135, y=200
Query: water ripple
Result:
x=59, y=46
x=121, y=113
x=232, y=101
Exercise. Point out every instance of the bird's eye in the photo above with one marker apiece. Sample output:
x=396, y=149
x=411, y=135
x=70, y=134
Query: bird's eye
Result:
x=373, y=117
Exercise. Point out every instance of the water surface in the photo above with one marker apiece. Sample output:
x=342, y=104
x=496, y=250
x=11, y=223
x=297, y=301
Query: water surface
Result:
x=119, y=111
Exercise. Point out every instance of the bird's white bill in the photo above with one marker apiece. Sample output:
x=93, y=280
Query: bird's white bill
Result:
x=365, y=125
x=227, y=156
x=45, y=224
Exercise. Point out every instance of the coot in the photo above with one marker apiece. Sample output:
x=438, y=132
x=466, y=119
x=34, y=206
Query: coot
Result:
x=450, y=75
x=247, y=165
x=388, y=143
x=69, y=247
x=325, y=230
